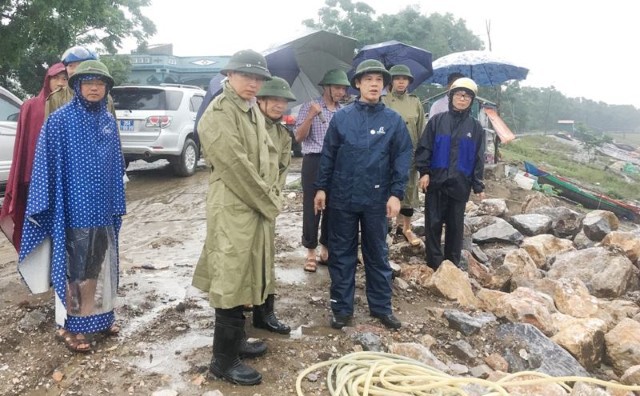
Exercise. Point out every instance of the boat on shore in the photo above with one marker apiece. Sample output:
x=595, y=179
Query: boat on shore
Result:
x=589, y=199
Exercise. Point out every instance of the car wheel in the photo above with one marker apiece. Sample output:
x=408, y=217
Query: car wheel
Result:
x=185, y=164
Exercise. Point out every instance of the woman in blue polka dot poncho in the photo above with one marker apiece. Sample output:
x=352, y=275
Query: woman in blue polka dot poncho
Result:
x=76, y=200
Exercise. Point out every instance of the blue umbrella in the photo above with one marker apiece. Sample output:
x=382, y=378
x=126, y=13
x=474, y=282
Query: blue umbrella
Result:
x=392, y=53
x=483, y=67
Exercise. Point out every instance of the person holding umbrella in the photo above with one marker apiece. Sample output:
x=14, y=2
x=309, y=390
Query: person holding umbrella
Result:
x=450, y=159
x=311, y=126
x=273, y=99
x=362, y=178
x=243, y=200
x=410, y=108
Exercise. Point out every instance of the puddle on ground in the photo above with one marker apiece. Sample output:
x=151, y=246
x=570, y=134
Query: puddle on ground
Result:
x=164, y=358
x=291, y=276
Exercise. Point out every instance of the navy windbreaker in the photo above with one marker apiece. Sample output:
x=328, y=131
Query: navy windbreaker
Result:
x=451, y=152
x=365, y=157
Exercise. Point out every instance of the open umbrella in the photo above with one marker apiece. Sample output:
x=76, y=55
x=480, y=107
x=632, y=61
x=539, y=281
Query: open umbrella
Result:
x=392, y=53
x=301, y=61
x=483, y=67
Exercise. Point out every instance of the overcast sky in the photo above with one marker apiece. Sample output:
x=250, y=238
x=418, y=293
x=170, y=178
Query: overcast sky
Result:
x=583, y=49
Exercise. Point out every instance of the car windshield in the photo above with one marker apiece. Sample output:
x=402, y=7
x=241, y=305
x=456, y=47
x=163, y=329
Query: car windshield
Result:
x=8, y=109
x=145, y=99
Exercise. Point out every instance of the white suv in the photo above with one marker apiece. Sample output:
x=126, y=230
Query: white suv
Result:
x=156, y=122
x=9, y=111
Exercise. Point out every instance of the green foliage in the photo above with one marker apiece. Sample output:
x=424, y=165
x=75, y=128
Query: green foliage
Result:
x=440, y=34
x=35, y=33
x=119, y=67
x=522, y=108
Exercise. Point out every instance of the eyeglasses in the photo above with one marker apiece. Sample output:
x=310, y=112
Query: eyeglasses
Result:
x=94, y=83
x=462, y=95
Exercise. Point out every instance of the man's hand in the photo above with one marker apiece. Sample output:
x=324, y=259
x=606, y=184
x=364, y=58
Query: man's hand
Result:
x=393, y=206
x=480, y=195
x=423, y=183
x=319, y=201
x=315, y=109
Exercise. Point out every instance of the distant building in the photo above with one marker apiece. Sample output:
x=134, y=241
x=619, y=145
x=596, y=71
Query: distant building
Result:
x=567, y=126
x=158, y=65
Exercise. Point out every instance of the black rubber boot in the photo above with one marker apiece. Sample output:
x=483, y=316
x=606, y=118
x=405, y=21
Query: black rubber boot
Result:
x=227, y=340
x=250, y=350
x=265, y=318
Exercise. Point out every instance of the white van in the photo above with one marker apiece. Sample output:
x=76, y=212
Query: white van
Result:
x=9, y=112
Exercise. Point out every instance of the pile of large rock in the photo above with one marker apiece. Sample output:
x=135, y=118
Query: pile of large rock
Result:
x=564, y=286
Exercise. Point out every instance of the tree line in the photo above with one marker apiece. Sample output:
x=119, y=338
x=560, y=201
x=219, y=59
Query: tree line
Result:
x=35, y=33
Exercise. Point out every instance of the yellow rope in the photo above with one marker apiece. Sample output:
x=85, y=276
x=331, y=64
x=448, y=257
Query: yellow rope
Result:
x=386, y=374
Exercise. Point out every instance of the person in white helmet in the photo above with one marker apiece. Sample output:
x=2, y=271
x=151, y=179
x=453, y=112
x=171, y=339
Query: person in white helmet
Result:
x=450, y=160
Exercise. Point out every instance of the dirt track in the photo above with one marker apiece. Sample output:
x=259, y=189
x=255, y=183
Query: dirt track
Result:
x=167, y=324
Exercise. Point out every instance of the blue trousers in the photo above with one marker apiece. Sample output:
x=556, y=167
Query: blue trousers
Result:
x=343, y=257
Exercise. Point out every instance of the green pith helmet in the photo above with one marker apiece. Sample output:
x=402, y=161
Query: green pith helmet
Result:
x=371, y=66
x=94, y=68
x=401, y=70
x=277, y=87
x=248, y=61
x=335, y=77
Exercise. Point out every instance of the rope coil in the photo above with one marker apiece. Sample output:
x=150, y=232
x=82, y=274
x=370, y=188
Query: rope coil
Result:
x=379, y=373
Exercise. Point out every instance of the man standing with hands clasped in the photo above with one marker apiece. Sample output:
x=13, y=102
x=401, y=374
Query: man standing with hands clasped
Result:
x=363, y=173
x=243, y=200
x=450, y=159
x=311, y=127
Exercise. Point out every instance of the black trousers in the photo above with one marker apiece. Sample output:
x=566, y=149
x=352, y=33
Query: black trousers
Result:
x=443, y=209
x=310, y=221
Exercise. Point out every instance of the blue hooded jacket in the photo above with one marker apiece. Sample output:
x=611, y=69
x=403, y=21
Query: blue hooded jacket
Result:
x=451, y=152
x=365, y=157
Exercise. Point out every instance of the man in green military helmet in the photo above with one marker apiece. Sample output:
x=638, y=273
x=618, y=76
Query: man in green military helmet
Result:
x=311, y=127
x=411, y=110
x=273, y=99
x=236, y=264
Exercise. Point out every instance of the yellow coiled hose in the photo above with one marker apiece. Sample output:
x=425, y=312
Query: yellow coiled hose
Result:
x=379, y=373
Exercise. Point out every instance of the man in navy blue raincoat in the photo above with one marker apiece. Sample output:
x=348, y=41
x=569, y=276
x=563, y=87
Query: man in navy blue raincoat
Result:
x=363, y=171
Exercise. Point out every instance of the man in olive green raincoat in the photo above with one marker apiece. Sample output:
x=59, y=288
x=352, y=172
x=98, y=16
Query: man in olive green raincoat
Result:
x=273, y=100
x=243, y=200
x=411, y=110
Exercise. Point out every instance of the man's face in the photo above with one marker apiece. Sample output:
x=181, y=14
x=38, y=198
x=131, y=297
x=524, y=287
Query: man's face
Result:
x=273, y=107
x=370, y=86
x=71, y=68
x=58, y=81
x=399, y=84
x=93, y=90
x=335, y=93
x=246, y=85
x=461, y=99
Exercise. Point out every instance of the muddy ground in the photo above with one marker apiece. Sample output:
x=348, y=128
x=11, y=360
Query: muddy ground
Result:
x=167, y=325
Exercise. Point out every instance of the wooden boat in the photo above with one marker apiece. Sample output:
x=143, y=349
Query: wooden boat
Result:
x=588, y=199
